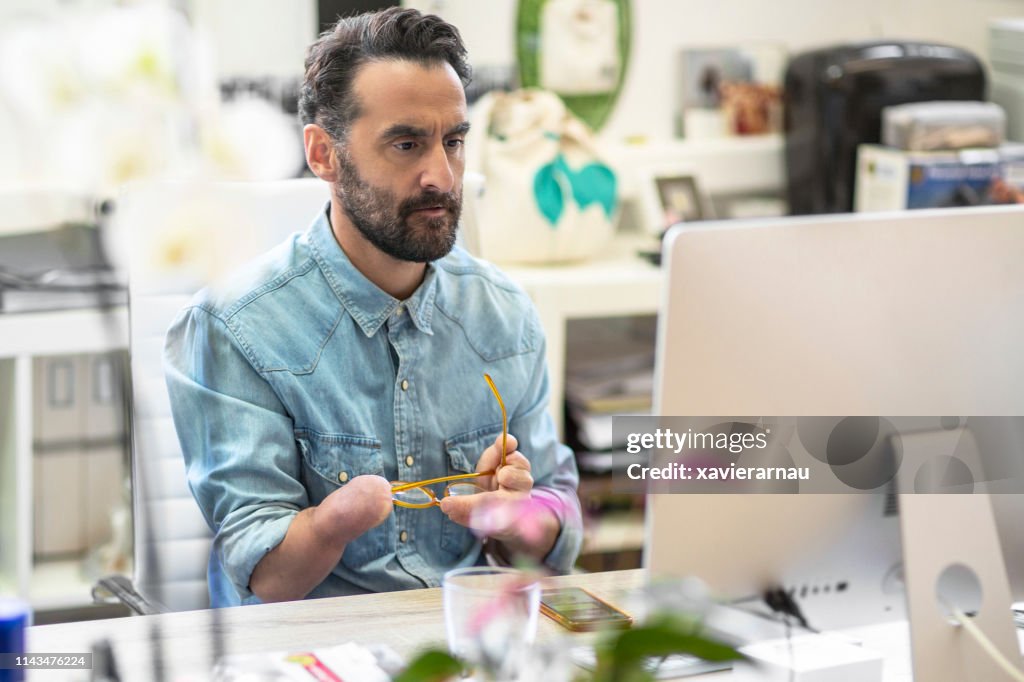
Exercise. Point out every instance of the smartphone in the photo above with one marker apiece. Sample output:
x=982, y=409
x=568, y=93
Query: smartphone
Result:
x=578, y=610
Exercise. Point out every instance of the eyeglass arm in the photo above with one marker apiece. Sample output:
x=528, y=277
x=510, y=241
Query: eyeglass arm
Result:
x=430, y=481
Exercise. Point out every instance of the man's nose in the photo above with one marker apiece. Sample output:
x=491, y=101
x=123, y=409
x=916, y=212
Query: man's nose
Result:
x=438, y=174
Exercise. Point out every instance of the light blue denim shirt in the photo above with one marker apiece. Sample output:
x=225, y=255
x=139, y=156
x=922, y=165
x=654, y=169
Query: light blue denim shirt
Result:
x=301, y=374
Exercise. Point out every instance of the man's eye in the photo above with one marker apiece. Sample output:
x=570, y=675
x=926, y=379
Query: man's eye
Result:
x=405, y=146
x=455, y=142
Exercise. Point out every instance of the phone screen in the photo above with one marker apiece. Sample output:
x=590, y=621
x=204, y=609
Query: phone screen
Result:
x=577, y=609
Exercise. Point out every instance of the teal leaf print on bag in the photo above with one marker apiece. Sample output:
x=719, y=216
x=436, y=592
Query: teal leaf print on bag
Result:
x=548, y=193
x=594, y=183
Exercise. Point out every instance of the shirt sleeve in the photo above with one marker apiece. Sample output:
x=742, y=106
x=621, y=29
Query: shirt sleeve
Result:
x=238, y=442
x=552, y=464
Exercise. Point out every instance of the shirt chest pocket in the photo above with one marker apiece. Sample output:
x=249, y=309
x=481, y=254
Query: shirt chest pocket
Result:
x=330, y=462
x=463, y=451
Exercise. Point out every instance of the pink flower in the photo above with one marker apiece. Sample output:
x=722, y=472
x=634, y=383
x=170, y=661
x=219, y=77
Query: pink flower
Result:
x=525, y=517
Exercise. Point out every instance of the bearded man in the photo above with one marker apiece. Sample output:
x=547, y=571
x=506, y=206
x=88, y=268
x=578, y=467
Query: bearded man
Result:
x=352, y=357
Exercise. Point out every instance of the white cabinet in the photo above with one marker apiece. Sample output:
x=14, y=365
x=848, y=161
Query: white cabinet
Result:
x=55, y=460
x=618, y=284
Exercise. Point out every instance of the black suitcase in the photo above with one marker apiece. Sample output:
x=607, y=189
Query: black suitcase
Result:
x=834, y=99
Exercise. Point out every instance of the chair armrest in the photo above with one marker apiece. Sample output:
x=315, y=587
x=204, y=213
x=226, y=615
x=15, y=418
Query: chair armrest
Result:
x=121, y=588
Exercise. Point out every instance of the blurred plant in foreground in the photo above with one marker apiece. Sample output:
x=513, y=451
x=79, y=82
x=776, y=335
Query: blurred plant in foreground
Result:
x=622, y=656
x=675, y=610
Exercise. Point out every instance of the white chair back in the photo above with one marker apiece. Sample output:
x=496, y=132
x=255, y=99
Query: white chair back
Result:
x=176, y=237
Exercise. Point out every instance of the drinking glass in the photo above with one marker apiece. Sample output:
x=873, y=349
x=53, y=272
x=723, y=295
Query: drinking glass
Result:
x=490, y=615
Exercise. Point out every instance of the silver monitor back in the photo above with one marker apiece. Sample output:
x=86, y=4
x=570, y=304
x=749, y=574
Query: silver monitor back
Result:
x=914, y=313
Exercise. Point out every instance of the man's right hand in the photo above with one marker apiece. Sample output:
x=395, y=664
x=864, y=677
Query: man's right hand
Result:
x=354, y=508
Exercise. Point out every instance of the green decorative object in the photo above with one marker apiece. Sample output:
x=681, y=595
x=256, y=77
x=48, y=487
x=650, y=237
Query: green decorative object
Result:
x=594, y=109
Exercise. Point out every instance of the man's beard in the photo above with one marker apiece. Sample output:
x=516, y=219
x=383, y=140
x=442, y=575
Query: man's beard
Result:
x=384, y=220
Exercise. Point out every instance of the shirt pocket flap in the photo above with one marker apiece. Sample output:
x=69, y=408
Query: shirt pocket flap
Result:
x=465, y=449
x=341, y=457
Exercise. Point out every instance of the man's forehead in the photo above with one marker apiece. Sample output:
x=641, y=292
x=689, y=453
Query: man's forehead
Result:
x=408, y=92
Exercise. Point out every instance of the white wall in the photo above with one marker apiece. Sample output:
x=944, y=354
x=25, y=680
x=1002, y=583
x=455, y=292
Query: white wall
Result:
x=269, y=37
x=487, y=26
x=256, y=37
x=15, y=10
x=662, y=27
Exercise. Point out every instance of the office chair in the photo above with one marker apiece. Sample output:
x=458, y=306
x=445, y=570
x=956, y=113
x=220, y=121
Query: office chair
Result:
x=174, y=237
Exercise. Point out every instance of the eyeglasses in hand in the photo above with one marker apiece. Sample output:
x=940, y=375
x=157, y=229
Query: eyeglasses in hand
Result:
x=417, y=495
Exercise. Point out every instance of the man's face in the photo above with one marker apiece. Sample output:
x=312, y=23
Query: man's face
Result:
x=400, y=180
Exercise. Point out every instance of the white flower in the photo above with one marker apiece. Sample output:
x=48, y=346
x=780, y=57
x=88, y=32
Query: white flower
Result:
x=253, y=140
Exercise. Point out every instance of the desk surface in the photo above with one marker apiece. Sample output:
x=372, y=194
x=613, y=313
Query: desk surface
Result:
x=406, y=621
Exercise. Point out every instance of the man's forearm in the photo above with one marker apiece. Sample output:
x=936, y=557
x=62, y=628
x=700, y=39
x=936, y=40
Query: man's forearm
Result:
x=301, y=562
x=317, y=538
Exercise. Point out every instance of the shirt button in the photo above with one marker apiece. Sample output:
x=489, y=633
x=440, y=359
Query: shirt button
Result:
x=343, y=477
x=405, y=384
x=409, y=460
x=399, y=310
x=403, y=536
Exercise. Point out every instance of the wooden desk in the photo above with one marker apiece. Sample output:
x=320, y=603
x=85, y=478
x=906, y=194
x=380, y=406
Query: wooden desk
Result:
x=406, y=621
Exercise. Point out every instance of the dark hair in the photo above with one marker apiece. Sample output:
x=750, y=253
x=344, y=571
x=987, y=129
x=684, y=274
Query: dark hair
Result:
x=333, y=61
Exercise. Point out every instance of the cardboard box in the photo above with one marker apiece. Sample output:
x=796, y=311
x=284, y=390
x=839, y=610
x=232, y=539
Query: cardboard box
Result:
x=58, y=522
x=57, y=400
x=890, y=179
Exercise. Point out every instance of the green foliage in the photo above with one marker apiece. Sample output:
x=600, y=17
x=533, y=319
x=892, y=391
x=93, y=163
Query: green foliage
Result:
x=620, y=658
x=433, y=665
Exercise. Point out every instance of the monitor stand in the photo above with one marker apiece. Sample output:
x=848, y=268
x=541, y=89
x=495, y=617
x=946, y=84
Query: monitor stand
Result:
x=951, y=553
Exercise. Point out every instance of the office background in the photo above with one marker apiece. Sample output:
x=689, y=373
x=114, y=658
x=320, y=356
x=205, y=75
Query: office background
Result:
x=661, y=27
x=257, y=48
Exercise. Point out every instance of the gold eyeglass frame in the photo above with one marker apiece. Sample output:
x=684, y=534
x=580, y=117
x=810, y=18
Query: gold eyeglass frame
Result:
x=400, y=486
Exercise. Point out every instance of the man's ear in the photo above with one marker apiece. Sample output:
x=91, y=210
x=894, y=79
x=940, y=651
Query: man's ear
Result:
x=321, y=156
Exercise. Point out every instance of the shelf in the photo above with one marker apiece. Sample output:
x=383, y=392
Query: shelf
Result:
x=10, y=499
x=85, y=330
x=618, y=283
x=24, y=337
x=615, y=532
x=24, y=207
x=59, y=584
x=726, y=165
x=616, y=264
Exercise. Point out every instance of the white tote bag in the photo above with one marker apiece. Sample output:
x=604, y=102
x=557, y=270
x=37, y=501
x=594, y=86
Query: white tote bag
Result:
x=579, y=52
x=548, y=197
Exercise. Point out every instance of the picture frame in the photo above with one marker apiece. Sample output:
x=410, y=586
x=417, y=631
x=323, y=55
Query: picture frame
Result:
x=730, y=90
x=672, y=195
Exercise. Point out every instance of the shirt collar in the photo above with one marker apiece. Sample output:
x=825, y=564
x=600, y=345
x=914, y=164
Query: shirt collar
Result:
x=368, y=305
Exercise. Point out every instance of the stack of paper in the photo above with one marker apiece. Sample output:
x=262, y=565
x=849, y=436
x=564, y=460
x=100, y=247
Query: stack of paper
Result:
x=609, y=374
x=349, y=661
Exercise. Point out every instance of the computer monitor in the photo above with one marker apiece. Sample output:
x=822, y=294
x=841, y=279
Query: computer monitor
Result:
x=918, y=313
